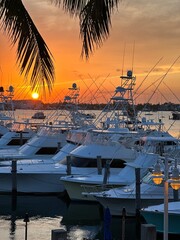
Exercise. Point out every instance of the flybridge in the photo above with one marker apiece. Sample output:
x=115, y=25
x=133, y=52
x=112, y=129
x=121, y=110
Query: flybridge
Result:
x=6, y=102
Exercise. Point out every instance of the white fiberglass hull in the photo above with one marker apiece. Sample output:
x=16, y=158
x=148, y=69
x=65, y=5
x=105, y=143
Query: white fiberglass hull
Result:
x=116, y=205
x=77, y=189
x=37, y=178
x=125, y=197
x=32, y=183
x=33, y=176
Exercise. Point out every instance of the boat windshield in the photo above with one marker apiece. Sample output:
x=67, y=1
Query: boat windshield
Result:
x=98, y=137
x=92, y=163
x=51, y=131
x=76, y=137
x=109, y=138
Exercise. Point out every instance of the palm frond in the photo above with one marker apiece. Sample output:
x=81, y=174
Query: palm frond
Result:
x=33, y=55
x=95, y=23
x=95, y=20
x=73, y=7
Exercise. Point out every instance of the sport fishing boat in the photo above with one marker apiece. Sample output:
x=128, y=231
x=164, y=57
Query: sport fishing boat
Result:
x=125, y=197
x=18, y=134
x=38, y=115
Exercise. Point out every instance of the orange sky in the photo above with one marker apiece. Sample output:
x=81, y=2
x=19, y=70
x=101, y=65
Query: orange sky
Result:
x=152, y=25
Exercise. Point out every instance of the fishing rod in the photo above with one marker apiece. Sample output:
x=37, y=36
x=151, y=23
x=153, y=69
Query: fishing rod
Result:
x=147, y=75
x=172, y=92
x=164, y=77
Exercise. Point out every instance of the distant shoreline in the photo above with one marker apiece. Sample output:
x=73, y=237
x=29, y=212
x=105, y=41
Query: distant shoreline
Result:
x=38, y=105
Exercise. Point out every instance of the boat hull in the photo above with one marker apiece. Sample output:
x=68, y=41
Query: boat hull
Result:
x=116, y=205
x=32, y=183
x=157, y=219
x=79, y=191
x=75, y=190
x=37, y=177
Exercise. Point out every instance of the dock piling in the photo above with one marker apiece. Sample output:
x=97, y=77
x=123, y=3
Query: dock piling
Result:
x=68, y=165
x=14, y=177
x=58, y=234
x=99, y=165
x=148, y=232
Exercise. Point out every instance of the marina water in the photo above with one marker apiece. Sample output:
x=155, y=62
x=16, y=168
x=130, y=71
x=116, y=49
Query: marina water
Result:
x=81, y=220
x=46, y=213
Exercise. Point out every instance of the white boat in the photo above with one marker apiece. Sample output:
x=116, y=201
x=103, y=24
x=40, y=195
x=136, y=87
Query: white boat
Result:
x=125, y=197
x=117, y=144
x=48, y=141
x=38, y=115
x=155, y=215
x=79, y=187
x=18, y=134
x=114, y=142
x=84, y=116
x=42, y=175
x=38, y=170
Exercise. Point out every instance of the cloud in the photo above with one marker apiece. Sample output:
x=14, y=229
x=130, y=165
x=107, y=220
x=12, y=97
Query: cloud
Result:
x=49, y=16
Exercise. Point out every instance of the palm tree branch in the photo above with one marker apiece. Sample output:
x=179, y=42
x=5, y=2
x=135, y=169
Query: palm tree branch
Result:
x=95, y=20
x=33, y=55
x=74, y=7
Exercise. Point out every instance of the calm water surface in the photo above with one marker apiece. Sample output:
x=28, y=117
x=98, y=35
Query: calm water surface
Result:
x=169, y=125
x=47, y=213
x=80, y=220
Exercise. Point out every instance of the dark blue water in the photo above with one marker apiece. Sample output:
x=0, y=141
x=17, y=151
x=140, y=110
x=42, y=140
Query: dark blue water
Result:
x=80, y=220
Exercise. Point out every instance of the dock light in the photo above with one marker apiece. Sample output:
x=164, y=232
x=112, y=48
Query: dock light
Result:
x=157, y=175
x=26, y=220
x=175, y=179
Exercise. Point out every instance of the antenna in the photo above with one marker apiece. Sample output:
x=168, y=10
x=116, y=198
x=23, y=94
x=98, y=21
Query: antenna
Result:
x=1, y=75
x=133, y=55
x=123, y=58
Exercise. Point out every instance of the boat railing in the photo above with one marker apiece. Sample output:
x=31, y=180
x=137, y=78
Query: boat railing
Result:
x=88, y=189
x=27, y=162
x=7, y=162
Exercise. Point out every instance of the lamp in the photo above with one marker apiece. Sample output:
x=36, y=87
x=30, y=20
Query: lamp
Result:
x=175, y=179
x=157, y=175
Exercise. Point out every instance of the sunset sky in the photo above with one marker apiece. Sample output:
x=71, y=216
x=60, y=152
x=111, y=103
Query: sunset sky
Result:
x=151, y=28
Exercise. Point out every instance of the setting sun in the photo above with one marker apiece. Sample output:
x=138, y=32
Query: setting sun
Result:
x=35, y=95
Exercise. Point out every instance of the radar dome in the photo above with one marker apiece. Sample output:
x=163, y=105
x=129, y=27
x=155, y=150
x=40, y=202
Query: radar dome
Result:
x=74, y=85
